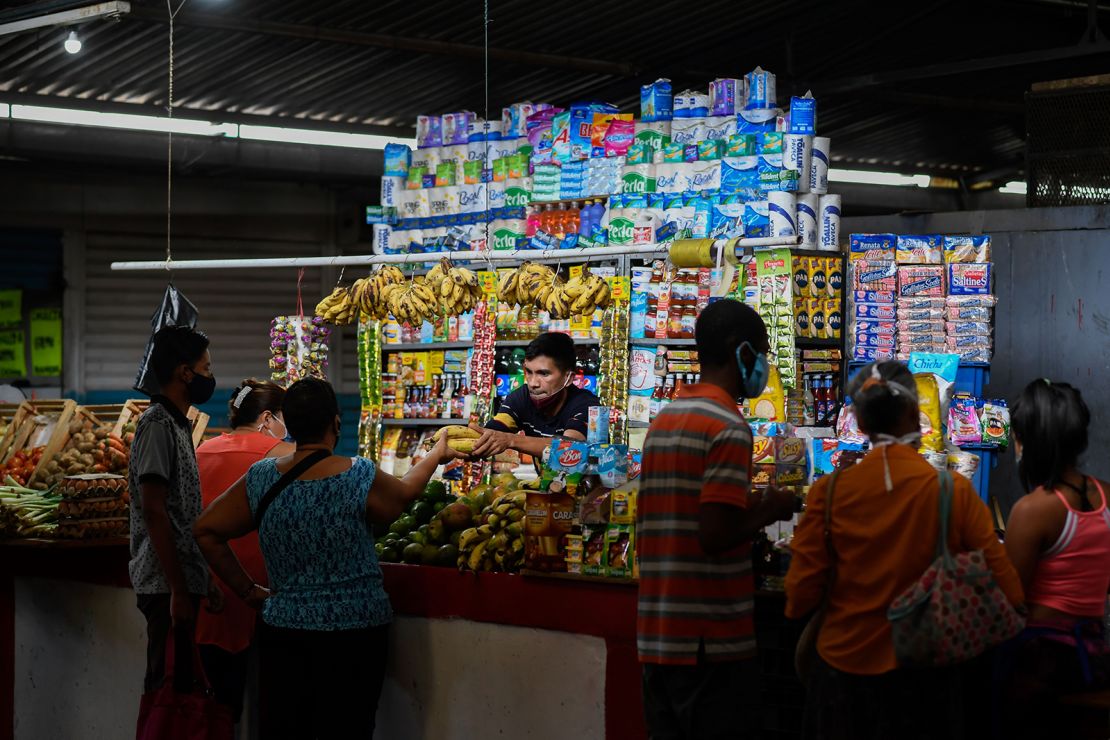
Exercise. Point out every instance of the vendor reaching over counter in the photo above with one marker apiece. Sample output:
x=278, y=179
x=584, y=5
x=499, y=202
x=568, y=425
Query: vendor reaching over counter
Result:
x=546, y=406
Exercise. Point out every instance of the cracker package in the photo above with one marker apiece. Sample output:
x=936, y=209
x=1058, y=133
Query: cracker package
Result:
x=967, y=248
x=921, y=280
x=925, y=249
x=880, y=276
x=565, y=466
x=969, y=278
x=872, y=247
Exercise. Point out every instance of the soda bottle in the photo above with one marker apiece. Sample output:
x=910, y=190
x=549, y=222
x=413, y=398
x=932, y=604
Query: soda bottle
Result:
x=532, y=222
x=516, y=368
x=502, y=372
x=572, y=219
x=809, y=416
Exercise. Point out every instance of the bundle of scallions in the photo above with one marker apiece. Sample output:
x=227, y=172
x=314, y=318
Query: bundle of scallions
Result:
x=25, y=512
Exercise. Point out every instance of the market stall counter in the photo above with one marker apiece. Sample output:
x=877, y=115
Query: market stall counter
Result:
x=529, y=656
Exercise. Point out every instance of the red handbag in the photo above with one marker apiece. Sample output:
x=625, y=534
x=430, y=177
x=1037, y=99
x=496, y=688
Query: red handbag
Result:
x=183, y=707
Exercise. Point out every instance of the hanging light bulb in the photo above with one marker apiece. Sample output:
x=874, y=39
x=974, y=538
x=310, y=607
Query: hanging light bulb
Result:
x=73, y=44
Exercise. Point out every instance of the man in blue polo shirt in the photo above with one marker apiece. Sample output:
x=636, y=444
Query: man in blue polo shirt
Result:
x=547, y=405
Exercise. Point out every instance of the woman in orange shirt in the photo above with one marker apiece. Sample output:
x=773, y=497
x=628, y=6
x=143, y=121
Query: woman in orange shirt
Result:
x=257, y=432
x=884, y=524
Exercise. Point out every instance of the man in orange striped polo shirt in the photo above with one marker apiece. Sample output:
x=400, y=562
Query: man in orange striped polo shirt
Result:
x=697, y=518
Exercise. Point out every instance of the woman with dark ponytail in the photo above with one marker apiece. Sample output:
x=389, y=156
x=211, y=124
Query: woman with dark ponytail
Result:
x=1058, y=537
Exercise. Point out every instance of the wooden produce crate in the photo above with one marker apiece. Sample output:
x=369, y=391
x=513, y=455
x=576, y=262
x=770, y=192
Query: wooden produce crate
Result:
x=135, y=408
x=8, y=413
x=61, y=437
x=36, y=424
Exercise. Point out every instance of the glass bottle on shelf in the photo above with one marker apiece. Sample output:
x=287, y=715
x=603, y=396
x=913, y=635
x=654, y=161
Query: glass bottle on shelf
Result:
x=655, y=405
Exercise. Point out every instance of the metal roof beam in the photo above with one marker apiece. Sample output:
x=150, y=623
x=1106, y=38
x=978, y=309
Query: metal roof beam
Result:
x=931, y=71
x=399, y=43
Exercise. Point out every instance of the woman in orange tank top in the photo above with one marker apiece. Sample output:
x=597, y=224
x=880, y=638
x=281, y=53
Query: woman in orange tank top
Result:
x=1058, y=538
x=258, y=429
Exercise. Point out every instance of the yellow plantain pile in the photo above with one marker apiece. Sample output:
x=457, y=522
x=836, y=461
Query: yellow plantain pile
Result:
x=369, y=292
x=457, y=287
x=459, y=438
x=498, y=543
x=338, y=308
x=539, y=285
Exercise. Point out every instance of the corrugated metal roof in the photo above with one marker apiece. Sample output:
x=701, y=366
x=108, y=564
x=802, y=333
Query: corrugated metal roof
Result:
x=356, y=64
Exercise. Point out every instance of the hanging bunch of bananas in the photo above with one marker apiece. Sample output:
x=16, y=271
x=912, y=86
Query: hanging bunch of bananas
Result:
x=338, y=308
x=412, y=303
x=368, y=292
x=521, y=286
x=539, y=285
x=457, y=287
x=586, y=293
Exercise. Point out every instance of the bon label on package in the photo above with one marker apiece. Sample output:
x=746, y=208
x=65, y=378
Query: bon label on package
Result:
x=879, y=311
x=969, y=278
x=926, y=249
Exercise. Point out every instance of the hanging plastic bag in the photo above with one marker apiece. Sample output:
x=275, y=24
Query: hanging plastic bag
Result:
x=176, y=310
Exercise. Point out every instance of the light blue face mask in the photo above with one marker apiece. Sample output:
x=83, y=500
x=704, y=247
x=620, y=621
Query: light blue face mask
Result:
x=754, y=380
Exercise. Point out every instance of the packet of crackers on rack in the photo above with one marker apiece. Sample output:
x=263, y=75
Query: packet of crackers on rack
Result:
x=967, y=248
x=926, y=249
x=872, y=247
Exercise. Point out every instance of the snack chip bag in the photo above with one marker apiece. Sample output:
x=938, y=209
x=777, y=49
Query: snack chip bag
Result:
x=964, y=426
x=928, y=399
x=771, y=404
x=996, y=423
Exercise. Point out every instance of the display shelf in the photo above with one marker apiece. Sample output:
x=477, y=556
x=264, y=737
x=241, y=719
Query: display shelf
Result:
x=426, y=346
x=805, y=343
x=422, y=422
x=663, y=342
x=526, y=342
x=569, y=201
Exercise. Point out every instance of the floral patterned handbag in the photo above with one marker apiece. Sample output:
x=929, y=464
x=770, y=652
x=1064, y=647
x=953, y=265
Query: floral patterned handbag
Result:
x=956, y=610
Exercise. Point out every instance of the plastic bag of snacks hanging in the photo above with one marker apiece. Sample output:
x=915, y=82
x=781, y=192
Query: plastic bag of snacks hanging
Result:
x=298, y=348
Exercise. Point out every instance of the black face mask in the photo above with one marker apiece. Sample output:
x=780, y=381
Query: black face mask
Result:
x=201, y=388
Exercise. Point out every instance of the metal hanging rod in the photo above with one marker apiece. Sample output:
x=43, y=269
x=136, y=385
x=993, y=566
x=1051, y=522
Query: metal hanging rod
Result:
x=546, y=255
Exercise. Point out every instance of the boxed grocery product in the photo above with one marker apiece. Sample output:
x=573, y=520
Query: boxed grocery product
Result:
x=925, y=249
x=834, y=320
x=921, y=280
x=789, y=450
x=763, y=475
x=818, y=321
x=763, y=450
x=593, y=549
x=967, y=248
x=549, y=518
x=790, y=475
x=966, y=278
x=802, y=326
x=818, y=277
x=619, y=550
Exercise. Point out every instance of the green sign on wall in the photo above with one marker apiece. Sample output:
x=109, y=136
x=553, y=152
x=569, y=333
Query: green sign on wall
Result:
x=46, y=341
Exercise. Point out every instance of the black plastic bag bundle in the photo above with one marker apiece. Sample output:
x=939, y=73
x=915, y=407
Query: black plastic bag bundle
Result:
x=176, y=310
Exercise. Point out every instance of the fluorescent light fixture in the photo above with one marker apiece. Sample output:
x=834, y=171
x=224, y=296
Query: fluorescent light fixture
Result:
x=1015, y=187
x=67, y=17
x=866, y=177
x=73, y=43
x=122, y=120
x=319, y=138
x=195, y=127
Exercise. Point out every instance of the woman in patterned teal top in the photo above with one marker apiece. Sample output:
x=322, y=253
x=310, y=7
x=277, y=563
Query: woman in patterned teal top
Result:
x=324, y=626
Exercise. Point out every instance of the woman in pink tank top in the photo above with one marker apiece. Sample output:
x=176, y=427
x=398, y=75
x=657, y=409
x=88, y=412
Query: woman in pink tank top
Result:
x=1058, y=537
